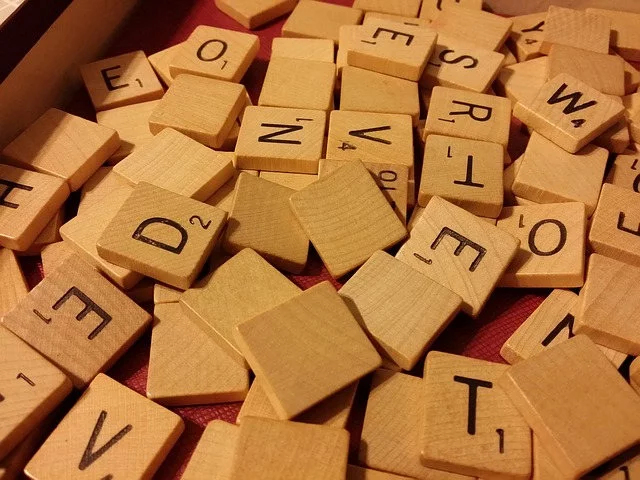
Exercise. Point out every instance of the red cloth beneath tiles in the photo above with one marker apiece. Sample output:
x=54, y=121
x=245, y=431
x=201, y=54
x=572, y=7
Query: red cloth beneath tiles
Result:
x=157, y=25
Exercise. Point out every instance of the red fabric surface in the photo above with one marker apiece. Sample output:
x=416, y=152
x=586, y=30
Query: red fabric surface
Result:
x=157, y=25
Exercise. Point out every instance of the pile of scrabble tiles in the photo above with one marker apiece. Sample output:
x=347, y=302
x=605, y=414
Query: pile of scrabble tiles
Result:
x=205, y=205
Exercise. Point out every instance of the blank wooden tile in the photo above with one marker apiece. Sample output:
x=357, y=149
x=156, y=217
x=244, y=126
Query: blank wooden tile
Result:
x=261, y=219
x=460, y=251
x=55, y=254
x=509, y=58
x=99, y=187
x=165, y=294
x=615, y=230
x=161, y=60
x=522, y=81
x=14, y=286
x=281, y=139
x=347, y=218
x=365, y=91
x=113, y=432
x=226, y=298
x=405, y=8
x=317, y=49
x=432, y=8
x=360, y=473
x=28, y=201
x=460, y=64
x=213, y=455
x=545, y=168
x=132, y=124
x=223, y=198
x=121, y=80
x=371, y=18
x=625, y=37
x=177, y=163
x=256, y=13
x=494, y=440
x=215, y=53
x=527, y=35
x=313, y=19
x=30, y=388
x=576, y=29
x=294, y=181
x=78, y=320
x=548, y=391
x=347, y=40
x=631, y=77
x=552, y=245
x=472, y=115
x=543, y=467
x=625, y=172
x=468, y=173
x=270, y=449
x=616, y=139
x=50, y=234
x=64, y=146
x=202, y=108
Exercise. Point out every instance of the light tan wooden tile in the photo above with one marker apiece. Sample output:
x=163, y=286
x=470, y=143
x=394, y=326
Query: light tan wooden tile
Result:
x=223, y=198
x=213, y=455
x=634, y=375
x=13, y=284
x=402, y=310
x=316, y=49
x=543, y=467
x=177, y=163
x=509, y=177
x=347, y=40
x=392, y=429
x=494, y=441
x=78, y=320
x=28, y=201
x=631, y=104
x=468, y=173
x=132, y=124
x=527, y=35
x=281, y=139
x=542, y=177
x=161, y=60
x=62, y=145
x=215, y=53
x=99, y=187
x=616, y=139
x=360, y=473
x=464, y=114
x=30, y=388
x=631, y=77
x=625, y=37
x=227, y=298
x=522, y=81
x=294, y=181
x=162, y=235
x=625, y=172
x=256, y=13
x=270, y=449
x=313, y=19
x=460, y=251
x=370, y=18
x=178, y=348
x=460, y=64
x=55, y=254
x=128, y=436
x=404, y=8
x=165, y=294
x=547, y=388
x=347, y=218
x=121, y=80
x=615, y=230
x=50, y=234
x=261, y=219
x=576, y=29
x=274, y=342
x=509, y=57
x=202, y=108
x=432, y=8
x=365, y=91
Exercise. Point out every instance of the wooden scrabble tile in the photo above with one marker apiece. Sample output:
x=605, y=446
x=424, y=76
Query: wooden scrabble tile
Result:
x=28, y=201
x=178, y=348
x=132, y=124
x=256, y=13
x=542, y=177
x=547, y=390
x=202, y=108
x=215, y=53
x=78, y=320
x=432, y=8
x=402, y=310
x=165, y=294
x=464, y=114
x=404, y=8
x=317, y=49
x=616, y=139
x=370, y=18
x=294, y=181
x=214, y=453
x=281, y=139
x=50, y=234
x=359, y=473
x=100, y=187
x=348, y=38
x=310, y=88
x=509, y=177
x=347, y=218
x=313, y=19
x=615, y=229
x=484, y=29
x=625, y=172
x=30, y=388
x=625, y=37
x=527, y=35
x=461, y=252
x=286, y=330
x=509, y=59
x=552, y=245
x=14, y=286
x=177, y=163
x=64, y=146
x=261, y=219
x=576, y=28
x=522, y=81
x=223, y=198
x=226, y=298
x=161, y=60
x=137, y=436
x=392, y=428
x=493, y=441
x=365, y=91
x=392, y=49
x=266, y=449
x=54, y=255
x=631, y=77
x=467, y=173
x=543, y=467
x=634, y=375
x=121, y=80
x=162, y=235
x=460, y=64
